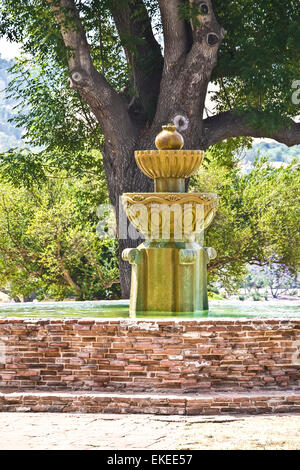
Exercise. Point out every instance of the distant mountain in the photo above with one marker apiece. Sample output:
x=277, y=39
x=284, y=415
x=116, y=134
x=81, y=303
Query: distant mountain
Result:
x=275, y=152
x=9, y=135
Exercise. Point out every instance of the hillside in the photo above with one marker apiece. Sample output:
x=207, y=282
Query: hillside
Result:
x=275, y=152
x=9, y=135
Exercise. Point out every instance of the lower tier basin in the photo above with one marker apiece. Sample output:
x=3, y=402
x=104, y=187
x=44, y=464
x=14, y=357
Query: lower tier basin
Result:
x=169, y=216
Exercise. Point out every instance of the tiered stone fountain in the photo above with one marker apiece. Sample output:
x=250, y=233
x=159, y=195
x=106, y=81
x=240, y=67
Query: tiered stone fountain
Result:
x=169, y=270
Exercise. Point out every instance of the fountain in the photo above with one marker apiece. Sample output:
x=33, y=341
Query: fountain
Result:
x=169, y=270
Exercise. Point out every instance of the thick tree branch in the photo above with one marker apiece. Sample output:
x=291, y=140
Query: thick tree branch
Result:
x=187, y=72
x=142, y=51
x=175, y=32
x=106, y=104
x=230, y=124
x=82, y=70
x=207, y=33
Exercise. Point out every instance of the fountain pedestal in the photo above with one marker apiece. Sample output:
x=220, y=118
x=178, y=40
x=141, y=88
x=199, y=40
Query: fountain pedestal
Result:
x=168, y=277
x=169, y=270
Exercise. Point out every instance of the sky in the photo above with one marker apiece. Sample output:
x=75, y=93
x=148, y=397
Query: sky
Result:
x=8, y=50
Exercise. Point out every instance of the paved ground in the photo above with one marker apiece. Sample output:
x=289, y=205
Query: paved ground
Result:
x=94, y=431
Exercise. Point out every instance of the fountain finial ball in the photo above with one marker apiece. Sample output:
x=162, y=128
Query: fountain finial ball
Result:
x=169, y=138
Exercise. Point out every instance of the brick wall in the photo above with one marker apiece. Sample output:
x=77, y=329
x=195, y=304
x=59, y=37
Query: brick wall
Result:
x=150, y=355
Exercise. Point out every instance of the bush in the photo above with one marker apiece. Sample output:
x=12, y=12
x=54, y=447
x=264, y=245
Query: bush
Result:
x=256, y=297
x=213, y=296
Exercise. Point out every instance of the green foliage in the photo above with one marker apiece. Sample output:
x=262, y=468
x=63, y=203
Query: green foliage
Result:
x=259, y=59
x=213, y=296
x=48, y=241
x=258, y=217
x=256, y=297
x=32, y=23
x=229, y=152
x=54, y=117
x=61, y=133
x=22, y=168
x=257, y=64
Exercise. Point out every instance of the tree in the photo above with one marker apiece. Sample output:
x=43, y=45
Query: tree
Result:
x=277, y=278
x=255, y=63
x=280, y=281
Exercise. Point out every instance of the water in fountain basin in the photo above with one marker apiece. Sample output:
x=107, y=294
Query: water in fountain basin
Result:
x=119, y=309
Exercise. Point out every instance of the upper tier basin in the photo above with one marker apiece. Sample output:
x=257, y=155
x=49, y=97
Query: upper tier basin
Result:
x=167, y=216
x=169, y=163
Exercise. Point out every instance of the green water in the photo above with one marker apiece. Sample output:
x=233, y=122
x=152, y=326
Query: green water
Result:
x=119, y=309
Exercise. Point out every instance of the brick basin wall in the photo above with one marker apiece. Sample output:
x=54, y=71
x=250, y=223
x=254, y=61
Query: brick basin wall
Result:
x=159, y=356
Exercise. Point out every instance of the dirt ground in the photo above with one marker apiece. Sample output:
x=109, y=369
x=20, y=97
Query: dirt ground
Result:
x=20, y=431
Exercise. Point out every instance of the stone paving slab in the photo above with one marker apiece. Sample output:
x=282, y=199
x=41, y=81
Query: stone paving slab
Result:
x=133, y=432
